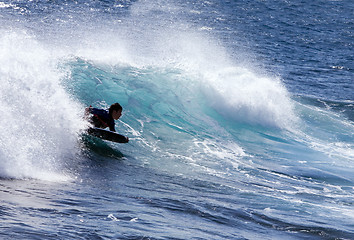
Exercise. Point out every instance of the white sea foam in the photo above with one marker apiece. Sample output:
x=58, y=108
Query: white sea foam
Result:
x=240, y=94
x=234, y=90
x=39, y=121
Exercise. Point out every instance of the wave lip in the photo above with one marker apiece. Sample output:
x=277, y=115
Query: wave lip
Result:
x=239, y=94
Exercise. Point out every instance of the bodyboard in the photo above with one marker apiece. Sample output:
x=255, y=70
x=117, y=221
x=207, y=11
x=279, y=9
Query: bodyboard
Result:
x=107, y=135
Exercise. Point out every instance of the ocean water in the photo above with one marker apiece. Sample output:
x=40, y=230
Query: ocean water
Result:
x=239, y=113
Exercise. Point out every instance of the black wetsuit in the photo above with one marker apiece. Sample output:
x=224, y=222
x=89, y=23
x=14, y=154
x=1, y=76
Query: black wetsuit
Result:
x=101, y=118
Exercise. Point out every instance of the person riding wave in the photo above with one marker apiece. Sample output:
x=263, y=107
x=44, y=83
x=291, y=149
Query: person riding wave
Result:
x=102, y=118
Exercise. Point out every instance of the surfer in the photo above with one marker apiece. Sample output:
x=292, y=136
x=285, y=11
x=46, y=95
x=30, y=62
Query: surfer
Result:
x=102, y=118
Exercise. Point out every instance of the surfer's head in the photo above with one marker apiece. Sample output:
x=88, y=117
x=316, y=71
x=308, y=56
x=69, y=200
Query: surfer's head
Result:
x=115, y=110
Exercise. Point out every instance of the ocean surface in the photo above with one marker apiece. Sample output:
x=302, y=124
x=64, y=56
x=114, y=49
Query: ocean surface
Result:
x=240, y=116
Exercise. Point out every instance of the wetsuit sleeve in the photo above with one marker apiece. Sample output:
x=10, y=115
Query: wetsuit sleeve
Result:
x=111, y=126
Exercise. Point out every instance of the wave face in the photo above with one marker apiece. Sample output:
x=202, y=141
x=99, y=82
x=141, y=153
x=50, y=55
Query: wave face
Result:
x=227, y=138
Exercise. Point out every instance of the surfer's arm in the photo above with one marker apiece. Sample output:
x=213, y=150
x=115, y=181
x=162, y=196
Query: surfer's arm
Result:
x=111, y=127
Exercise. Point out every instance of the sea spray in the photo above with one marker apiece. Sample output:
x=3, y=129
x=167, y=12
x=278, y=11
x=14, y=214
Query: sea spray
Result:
x=235, y=90
x=242, y=95
x=40, y=121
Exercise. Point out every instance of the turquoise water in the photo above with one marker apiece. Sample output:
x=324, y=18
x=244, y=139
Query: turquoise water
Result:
x=239, y=115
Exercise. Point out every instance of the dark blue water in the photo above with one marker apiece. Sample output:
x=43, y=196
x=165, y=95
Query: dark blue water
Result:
x=239, y=113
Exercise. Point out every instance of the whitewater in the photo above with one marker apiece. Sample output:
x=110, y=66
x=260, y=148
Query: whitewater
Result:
x=239, y=115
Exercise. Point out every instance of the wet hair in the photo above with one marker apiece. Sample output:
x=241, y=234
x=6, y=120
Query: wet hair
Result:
x=115, y=107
